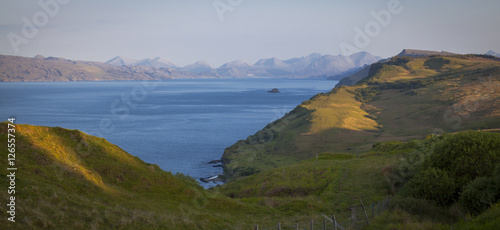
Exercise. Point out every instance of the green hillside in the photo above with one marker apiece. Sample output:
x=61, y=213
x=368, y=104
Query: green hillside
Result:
x=402, y=98
x=67, y=179
x=382, y=137
x=334, y=184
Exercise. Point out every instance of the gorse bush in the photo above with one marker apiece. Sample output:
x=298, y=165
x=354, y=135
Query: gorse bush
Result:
x=496, y=179
x=462, y=167
x=436, y=63
x=467, y=155
x=432, y=184
x=367, y=94
x=413, y=163
x=479, y=195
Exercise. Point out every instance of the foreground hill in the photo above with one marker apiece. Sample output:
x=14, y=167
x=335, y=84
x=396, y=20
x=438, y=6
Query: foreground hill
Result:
x=15, y=68
x=66, y=179
x=401, y=99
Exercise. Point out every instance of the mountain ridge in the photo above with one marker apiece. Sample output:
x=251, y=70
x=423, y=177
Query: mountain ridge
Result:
x=16, y=68
x=421, y=53
x=353, y=78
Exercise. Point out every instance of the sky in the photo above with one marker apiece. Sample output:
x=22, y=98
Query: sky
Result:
x=220, y=31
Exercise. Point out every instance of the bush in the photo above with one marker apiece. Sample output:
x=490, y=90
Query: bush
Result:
x=432, y=184
x=496, y=180
x=467, y=155
x=478, y=195
x=444, y=166
x=367, y=94
x=436, y=63
x=413, y=161
x=246, y=171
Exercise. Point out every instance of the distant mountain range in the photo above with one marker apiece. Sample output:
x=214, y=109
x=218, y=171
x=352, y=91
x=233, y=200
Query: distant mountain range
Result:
x=39, y=68
x=312, y=66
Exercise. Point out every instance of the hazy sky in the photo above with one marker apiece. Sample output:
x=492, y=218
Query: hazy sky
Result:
x=219, y=31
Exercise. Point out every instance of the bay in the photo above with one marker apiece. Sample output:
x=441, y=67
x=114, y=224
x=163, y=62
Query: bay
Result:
x=179, y=125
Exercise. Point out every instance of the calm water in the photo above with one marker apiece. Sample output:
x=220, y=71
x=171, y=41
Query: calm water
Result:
x=178, y=124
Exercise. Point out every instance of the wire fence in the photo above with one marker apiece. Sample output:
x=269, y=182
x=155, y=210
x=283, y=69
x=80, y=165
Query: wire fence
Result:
x=360, y=216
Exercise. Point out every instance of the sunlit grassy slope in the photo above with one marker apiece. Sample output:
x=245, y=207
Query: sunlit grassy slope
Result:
x=401, y=99
x=69, y=180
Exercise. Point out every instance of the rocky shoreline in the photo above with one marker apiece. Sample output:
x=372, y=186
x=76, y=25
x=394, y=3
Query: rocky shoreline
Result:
x=214, y=178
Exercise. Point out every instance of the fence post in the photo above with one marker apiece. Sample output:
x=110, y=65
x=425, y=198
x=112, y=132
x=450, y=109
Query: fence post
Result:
x=279, y=226
x=324, y=224
x=366, y=216
x=296, y=226
x=334, y=221
x=256, y=227
x=353, y=217
x=312, y=224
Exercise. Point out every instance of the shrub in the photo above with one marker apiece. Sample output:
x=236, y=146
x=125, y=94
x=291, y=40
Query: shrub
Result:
x=496, y=180
x=432, y=184
x=478, y=195
x=246, y=171
x=467, y=155
x=413, y=161
x=436, y=63
x=367, y=94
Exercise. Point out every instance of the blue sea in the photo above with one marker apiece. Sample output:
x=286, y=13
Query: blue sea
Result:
x=179, y=125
